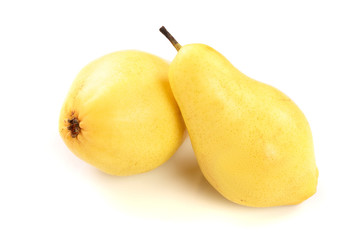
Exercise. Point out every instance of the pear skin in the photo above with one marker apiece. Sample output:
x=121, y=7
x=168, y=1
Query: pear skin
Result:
x=120, y=115
x=253, y=144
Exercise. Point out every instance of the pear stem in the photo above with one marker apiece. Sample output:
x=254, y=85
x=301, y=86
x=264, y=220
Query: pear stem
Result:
x=170, y=38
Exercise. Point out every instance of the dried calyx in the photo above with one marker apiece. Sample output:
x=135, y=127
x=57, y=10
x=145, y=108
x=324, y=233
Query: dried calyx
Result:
x=74, y=127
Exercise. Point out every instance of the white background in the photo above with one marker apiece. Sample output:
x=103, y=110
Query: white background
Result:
x=310, y=50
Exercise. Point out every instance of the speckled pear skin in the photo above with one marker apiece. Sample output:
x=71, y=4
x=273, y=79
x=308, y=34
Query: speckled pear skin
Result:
x=253, y=144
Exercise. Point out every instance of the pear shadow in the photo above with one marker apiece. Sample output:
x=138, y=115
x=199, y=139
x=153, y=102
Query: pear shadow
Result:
x=178, y=190
x=187, y=170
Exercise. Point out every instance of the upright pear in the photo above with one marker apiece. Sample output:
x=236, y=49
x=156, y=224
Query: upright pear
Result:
x=120, y=115
x=252, y=143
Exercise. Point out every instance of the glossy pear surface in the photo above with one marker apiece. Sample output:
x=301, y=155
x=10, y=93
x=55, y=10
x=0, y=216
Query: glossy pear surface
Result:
x=120, y=115
x=253, y=144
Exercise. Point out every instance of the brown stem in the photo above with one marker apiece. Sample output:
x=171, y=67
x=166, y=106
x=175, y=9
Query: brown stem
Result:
x=170, y=37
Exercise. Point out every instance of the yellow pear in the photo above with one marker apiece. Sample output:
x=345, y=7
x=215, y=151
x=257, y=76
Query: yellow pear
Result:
x=252, y=143
x=120, y=115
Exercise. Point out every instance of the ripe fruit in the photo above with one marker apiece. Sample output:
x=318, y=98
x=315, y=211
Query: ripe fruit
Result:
x=120, y=114
x=253, y=144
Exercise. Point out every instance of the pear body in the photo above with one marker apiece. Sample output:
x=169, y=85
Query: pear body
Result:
x=120, y=115
x=252, y=143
